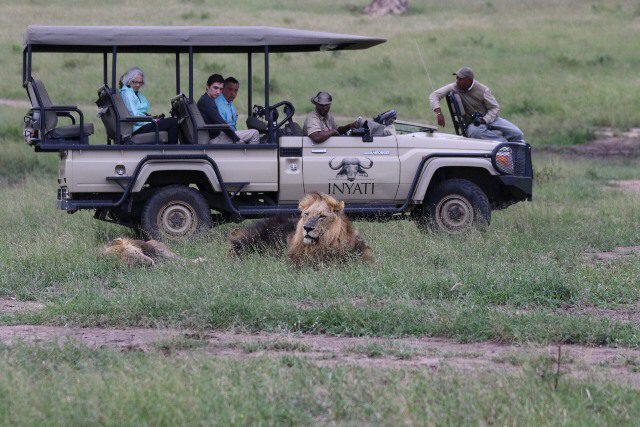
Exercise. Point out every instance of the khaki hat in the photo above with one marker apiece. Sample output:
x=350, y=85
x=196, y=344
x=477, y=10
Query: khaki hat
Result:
x=463, y=73
x=322, y=98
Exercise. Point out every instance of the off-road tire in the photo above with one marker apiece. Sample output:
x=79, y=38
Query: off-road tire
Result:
x=175, y=212
x=454, y=206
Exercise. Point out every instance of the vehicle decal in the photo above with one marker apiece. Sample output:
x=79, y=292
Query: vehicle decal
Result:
x=377, y=153
x=351, y=168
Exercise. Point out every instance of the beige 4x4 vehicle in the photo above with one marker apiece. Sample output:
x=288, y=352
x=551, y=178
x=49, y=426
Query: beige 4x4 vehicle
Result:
x=444, y=181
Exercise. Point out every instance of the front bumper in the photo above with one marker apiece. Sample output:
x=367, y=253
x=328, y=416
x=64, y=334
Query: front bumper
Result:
x=518, y=187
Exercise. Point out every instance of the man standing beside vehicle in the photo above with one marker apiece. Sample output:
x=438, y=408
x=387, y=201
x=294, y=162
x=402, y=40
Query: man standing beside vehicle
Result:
x=228, y=111
x=480, y=109
x=320, y=124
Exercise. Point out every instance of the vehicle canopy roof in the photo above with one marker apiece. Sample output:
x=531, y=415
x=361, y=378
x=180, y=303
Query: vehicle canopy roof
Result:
x=179, y=38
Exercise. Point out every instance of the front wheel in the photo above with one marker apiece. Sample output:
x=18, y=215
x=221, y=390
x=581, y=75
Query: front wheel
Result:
x=175, y=212
x=455, y=206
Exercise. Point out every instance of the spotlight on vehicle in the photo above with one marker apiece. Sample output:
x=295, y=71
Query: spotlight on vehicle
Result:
x=504, y=160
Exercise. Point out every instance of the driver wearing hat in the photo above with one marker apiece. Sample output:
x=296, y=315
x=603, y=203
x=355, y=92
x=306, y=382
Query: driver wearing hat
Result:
x=320, y=124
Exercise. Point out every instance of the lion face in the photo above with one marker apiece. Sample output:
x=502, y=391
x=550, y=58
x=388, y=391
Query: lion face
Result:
x=320, y=216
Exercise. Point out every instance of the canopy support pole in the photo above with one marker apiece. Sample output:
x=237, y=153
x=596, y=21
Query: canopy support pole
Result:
x=105, y=68
x=191, y=73
x=266, y=94
x=114, y=59
x=250, y=87
x=29, y=62
x=177, y=73
x=24, y=67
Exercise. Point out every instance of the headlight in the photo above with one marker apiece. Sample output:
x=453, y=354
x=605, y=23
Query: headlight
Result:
x=504, y=160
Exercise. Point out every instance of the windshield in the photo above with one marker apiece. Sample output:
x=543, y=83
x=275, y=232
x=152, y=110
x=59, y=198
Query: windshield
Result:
x=408, y=127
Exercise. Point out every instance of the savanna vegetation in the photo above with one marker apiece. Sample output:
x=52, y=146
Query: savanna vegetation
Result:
x=558, y=68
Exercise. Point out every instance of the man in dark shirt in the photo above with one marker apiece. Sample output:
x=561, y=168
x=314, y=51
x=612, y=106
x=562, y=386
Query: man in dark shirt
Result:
x=209, y=111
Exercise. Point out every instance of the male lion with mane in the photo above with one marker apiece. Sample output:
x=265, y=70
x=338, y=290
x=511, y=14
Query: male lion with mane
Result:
x=322, y=233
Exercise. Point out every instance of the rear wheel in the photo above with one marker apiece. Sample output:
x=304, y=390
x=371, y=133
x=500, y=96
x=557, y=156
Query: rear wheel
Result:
x=455, y=206
x=175, y=212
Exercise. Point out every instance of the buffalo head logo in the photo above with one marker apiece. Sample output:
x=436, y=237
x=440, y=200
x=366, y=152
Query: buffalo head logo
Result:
x=351, y=167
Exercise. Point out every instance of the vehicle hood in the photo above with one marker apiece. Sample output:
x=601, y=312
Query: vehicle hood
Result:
x=444, y=141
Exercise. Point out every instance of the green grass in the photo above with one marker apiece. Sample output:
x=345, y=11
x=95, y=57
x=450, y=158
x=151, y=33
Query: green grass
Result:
x=74, y=385
x=506, y=284
x=556, y=75
x=552, y=74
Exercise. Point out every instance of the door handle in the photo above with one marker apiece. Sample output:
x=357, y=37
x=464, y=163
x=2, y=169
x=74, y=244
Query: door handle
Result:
x=319, y=151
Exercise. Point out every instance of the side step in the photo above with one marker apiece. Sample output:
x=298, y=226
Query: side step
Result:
x=257, y=211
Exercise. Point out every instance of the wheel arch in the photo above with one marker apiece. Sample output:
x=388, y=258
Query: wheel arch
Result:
x=479, y=171
x=184, y=173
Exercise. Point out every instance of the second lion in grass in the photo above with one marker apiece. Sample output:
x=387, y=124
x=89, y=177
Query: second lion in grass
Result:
x=322, y=233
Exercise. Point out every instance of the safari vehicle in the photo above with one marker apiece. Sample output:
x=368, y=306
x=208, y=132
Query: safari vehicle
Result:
x=445, y=182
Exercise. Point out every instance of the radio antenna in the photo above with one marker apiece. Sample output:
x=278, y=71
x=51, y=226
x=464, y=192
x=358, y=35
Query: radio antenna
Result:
x=424, y=64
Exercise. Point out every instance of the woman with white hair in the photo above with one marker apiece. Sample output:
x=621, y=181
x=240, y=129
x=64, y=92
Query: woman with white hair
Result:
x=130, y=84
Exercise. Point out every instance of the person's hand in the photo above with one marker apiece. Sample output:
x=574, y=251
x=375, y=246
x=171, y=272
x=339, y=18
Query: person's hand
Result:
x=440, y=118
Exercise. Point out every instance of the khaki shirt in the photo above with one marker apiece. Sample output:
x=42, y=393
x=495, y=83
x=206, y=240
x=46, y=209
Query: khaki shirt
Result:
x=477, y=99
x=316, y=123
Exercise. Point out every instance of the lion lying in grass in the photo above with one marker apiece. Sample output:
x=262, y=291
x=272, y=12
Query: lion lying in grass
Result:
x=322, y=233
x=138, y=252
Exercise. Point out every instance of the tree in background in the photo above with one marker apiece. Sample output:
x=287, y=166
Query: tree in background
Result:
x=386, y=7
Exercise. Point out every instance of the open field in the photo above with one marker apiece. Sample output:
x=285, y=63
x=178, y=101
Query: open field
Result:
x=437, y=331
x=557, y=68
x=72, y=384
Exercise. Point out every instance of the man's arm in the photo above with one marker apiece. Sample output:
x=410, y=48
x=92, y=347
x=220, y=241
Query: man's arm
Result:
x=322, y=135
x=493, y=108
x=434, y=101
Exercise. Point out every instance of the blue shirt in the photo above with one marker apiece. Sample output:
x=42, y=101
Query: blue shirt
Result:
x=228, y=111
x=136, y=103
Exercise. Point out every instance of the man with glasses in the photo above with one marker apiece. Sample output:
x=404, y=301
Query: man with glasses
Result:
x=480, y=109
x=211, y=115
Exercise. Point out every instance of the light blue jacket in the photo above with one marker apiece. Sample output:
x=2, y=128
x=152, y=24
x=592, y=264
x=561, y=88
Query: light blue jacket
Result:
x=136, y=103
x=227, y=111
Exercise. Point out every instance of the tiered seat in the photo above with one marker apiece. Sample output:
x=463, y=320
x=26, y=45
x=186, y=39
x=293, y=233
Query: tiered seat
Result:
x=40, y=100
x=119, y=124
x=193, y=129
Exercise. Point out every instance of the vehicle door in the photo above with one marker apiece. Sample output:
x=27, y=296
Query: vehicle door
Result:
x=351, y=169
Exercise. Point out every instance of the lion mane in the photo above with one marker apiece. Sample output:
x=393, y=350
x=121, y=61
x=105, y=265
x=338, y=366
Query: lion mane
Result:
x=321, y=234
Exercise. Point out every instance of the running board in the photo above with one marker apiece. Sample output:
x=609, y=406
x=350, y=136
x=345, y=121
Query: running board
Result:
x=249, y=211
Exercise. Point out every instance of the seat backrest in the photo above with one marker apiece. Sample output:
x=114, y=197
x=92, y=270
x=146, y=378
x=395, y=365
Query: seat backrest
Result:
x=189, y=115
x=112, y=108
x=35, y=90
x=458, y=99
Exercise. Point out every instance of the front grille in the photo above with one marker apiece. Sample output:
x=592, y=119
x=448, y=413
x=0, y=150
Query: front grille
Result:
x=522, y=159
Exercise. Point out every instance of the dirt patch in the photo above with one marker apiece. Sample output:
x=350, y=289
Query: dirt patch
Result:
x=613, y=364
x=15, y=103
x=125, y=339
x=607, y=143
x=619, y=253
x=630, y=186
x=629, y=314
x=12, y=306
